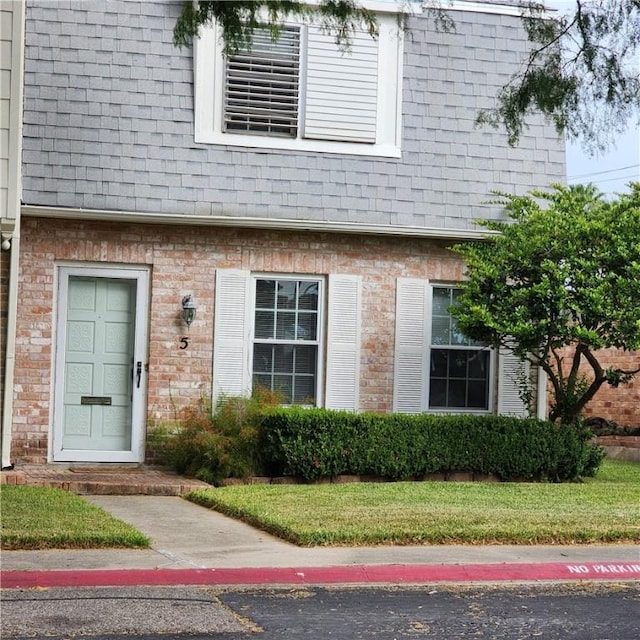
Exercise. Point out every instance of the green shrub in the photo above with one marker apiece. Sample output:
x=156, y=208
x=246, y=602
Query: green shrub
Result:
x=255, y=436
x=215, y=444
x=318, y=443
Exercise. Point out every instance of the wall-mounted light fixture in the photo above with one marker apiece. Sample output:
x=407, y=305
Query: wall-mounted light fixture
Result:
x=188, y=310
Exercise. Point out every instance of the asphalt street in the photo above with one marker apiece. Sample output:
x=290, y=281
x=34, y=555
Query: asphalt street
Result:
x=585, y=611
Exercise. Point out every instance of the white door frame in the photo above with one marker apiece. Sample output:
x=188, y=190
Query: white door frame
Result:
x=138, y=405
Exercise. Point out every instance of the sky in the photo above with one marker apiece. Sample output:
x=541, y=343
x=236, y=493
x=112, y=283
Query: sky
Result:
x=612, y=171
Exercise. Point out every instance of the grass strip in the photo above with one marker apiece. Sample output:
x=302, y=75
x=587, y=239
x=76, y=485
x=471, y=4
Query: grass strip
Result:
x=605, y=509
x=44, y=518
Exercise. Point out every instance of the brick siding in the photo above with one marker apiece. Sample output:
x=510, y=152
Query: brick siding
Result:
x=183, y=260
x=621, y=404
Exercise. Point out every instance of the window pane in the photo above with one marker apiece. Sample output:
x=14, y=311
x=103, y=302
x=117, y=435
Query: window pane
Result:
x=457, y=337
x=478, y=364
x=262, y=358
x=284, y=386
x=478, y=394
x=287, y=294
x=457, y=393
x=308, y=296
x=306, y=328
x=264, y=324
x=283, y=358
x=458, y=364
x=438, y=393
x=439, y=363
x=263, y=381
x=440, y=330
x=305, y=360
x=265, y=294
x=305, y=391
x=286, y=325
x=441, y=301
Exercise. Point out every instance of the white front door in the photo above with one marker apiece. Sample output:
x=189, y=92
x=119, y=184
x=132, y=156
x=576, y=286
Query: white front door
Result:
x=100, y=365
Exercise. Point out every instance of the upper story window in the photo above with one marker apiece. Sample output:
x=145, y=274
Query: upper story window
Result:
x=261, y=86
x=302, y=92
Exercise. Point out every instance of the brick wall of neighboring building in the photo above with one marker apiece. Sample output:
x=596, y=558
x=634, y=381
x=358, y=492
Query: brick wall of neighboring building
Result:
x=183, y=260
x=621, y=404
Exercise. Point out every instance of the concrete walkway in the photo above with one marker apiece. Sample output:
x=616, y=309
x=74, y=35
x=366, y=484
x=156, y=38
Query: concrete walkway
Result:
x=194, y=545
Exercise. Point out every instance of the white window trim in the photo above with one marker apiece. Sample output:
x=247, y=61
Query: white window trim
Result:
x=492, y=361
x=479, y=7
x=209, y=88
x=322, y=302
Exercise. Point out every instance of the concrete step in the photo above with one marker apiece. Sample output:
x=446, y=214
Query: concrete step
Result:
x=104, y=481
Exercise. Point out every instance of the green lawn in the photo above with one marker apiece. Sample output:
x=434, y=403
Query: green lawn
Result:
x=39, y=518
x=604, y=509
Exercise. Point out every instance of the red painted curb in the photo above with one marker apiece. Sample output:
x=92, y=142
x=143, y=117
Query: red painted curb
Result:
x=363, y=574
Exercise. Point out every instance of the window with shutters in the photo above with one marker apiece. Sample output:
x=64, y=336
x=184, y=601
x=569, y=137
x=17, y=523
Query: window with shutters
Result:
x=459, y=368
x=272, y=330
x=286, y=337
x=302, y=91
x=437, y=368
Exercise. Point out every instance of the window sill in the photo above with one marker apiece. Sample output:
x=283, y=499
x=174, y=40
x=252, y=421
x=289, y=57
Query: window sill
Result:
x=460, y=411
x=300, y=145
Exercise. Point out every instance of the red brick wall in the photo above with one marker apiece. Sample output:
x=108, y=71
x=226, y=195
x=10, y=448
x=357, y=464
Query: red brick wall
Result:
x=183, y=260
x=620, y=404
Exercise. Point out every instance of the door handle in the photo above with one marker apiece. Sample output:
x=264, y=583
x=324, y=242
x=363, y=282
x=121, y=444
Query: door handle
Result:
x=138, y=373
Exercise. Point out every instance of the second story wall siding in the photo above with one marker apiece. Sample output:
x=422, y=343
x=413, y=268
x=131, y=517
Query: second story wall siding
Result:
x=109, y=124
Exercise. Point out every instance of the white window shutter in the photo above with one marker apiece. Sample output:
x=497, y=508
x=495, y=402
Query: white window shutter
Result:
x=341, y=93
x=343, y=343
x=412, y=349
x=510, y=371
x=230, y=341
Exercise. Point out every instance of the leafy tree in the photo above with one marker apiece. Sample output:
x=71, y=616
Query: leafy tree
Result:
x=557, y=284
x=238, y=19
x=581, y=73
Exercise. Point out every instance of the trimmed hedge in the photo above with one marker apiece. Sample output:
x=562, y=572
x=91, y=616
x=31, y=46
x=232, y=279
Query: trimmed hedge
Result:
x=317, y=443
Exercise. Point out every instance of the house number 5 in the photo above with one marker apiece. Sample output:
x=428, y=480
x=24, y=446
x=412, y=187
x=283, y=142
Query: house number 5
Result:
x=184, y=342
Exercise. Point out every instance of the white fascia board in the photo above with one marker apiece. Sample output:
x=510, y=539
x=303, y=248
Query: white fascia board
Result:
x=250, y=222
x=506, y=9
x=377, y=6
